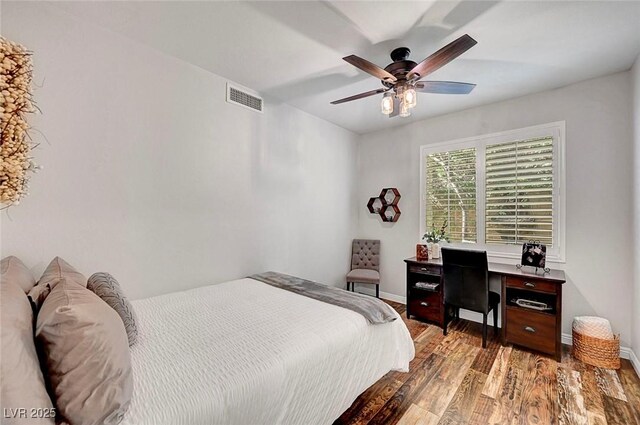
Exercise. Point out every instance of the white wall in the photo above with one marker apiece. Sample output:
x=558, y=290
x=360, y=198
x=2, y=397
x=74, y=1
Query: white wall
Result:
x=635, y=312
x=149, y=174
x=599, y=171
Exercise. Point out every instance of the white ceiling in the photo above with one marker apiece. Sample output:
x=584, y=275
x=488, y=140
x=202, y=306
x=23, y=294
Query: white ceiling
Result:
x=292, y=50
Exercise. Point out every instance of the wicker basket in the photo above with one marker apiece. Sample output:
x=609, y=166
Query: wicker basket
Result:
x=597, y=352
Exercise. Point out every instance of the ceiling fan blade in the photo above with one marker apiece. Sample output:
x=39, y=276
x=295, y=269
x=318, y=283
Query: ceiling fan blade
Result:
x=444, y=87
x=396, y=108
x=442, y=57
x=369, y=68
x=359, y=96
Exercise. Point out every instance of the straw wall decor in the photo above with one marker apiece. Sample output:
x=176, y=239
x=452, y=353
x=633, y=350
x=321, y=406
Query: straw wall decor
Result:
x=16, y=103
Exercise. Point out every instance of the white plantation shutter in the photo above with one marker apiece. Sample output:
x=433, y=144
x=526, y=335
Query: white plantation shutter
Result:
x=519, y=192
x=498, y=190
x=451, y=193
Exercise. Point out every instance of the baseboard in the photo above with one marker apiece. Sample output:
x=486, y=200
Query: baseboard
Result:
x=393, y=297
x=634, y=361
x=567, y=339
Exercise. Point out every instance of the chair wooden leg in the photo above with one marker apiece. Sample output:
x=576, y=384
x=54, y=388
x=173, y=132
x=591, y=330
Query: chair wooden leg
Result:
x=484, y=330
x=495, y=320
x=377, y=290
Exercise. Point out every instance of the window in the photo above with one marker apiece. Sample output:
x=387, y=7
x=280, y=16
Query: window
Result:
x=498, y=191
x=519, y=192
x=451, y=194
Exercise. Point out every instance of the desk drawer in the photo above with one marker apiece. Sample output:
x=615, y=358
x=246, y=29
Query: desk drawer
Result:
x=427, y=308
x=425, y=269
x=531, y=329
x=531, y=284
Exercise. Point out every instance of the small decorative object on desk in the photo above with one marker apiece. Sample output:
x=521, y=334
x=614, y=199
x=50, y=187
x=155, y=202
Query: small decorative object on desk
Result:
x=433, y=239
x=422, y=252
x=534, y=254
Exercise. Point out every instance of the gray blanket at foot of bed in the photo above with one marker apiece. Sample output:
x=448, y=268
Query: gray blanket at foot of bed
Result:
x=373, y=309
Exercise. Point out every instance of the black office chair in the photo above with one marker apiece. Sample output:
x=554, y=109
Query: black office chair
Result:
x=466, y=285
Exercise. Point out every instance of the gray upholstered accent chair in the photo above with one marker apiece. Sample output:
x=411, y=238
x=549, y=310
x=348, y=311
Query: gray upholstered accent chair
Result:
x=365, y=264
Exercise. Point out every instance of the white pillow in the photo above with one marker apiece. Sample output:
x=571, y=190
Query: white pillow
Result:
x=596, y=327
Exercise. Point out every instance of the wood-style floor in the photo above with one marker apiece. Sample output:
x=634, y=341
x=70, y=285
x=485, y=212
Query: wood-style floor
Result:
x=453, y=380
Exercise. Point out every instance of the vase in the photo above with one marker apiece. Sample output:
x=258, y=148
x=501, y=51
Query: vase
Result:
x=422, y=252
x=435, y=251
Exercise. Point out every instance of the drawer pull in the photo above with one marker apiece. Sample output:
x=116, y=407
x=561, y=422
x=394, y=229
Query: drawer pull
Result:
x=424, y=304
x=530, y=329
x=530, y=285
x=424, y=269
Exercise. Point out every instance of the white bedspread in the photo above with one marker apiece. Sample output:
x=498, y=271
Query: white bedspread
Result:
x=244, y=352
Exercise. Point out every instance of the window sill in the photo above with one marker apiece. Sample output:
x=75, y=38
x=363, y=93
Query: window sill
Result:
x=499, y=255
x=505, y=255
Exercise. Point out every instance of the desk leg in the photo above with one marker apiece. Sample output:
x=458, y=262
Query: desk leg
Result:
x=503, y=307
x=559, y=324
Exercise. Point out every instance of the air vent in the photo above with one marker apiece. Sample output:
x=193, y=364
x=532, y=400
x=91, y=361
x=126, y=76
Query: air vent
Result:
x=241, y=96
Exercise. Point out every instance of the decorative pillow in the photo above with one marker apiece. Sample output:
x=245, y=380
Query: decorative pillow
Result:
x=22, y=381
x=107, y=287
x=56, y=270
x=596, y=327
x=14, y=270
x=87, y=355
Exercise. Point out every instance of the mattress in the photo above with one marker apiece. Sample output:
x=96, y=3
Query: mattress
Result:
x=243, y=352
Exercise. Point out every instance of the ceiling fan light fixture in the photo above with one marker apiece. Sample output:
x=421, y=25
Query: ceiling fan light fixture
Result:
x=404, y=110
x=387, y=104
x=409, y=98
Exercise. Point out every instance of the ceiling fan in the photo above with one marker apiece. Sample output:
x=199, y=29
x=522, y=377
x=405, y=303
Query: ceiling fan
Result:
x=402, y=78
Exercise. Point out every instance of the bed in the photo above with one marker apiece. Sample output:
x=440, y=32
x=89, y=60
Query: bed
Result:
x=244, y=352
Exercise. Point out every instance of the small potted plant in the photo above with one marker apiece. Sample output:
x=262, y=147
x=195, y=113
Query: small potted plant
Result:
x=434, y=237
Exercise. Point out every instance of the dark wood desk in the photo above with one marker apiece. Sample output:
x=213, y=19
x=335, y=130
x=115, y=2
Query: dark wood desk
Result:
x=529, y=328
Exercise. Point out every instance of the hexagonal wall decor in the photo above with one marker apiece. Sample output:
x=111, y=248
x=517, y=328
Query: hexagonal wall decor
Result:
x=374, y=205
x=390, y=195
x=386, y=205
x=390, y=213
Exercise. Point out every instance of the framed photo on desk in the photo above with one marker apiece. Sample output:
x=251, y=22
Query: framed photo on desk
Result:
x=534, y=254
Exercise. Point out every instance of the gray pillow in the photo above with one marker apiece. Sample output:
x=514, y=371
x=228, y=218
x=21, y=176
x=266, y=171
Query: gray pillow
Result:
x=56, y=270
x=14, y=270
x=107, y=287
x=22, y=382
x=88, y=360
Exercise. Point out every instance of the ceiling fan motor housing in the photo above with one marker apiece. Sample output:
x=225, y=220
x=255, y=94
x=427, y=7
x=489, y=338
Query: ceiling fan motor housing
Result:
x=398, y=69
x=400, y=66
x=400, y=54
